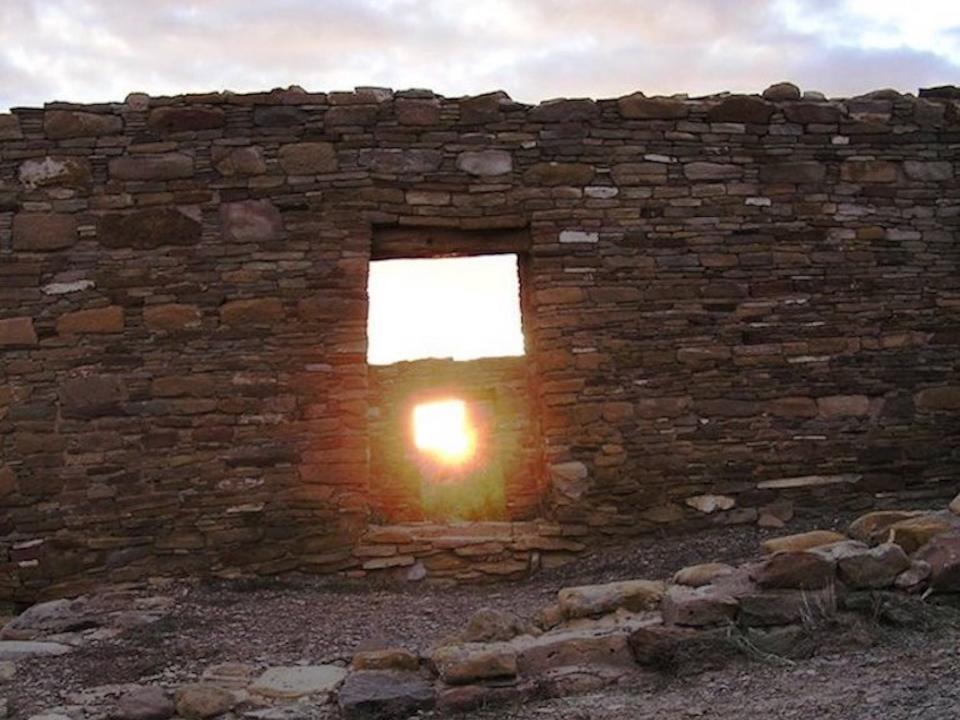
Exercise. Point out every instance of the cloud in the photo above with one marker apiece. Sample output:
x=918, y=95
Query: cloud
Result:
x=99, y=50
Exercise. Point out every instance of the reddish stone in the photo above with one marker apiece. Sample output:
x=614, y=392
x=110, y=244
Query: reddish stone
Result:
x=233, y=161
x=942, y=553
x=844, y=406
x=168, y=166
x=185, y=119
x=255, y=311
x=92, y=396
x=559, y=296
x=946, y=397
x=8, y=481
x=795, y=570
x=793, y=172
x=171, y=317
x=67, y=124
x=741, y=109
x=638, y=107
x=96, y=321
x=251, y=221
x=17, y=331
x=483, y=108
x=417, y=112
x=792, y=407
x=43, y=232
x=308, y=158
x=148, y=229
x=868, y=171
x=552, y=174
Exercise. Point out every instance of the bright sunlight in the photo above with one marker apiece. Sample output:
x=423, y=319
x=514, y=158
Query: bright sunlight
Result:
x=442, y=429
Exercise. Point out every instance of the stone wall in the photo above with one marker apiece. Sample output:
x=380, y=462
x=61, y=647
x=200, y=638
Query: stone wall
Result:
x=732, y=303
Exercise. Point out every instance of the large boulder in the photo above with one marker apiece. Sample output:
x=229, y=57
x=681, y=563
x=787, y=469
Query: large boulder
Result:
x=593, y=600
x=384, y=694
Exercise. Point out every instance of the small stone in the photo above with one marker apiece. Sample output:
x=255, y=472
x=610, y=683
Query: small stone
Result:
x=801, y=541
x=200, y=700
x=782, y=91
x=570, y=479
x=946, y=397
x=145, y=703
x=795, y=571
x=484, y=163
x=592, y=600
x=697, y=607
x=43, y=232
x=489, y=625
x=386, y=659
x=703, y=574
x=914, y=577
x=710, y=171
x=308, y=158
x=461, y=664
x=578, y=236
x=298, y=681
x=708, y=504
x=638, y=107
x=844, y=406
x=564, y=110
x=384, y=694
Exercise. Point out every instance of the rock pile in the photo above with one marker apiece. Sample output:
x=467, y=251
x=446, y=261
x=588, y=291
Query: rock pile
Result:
x=626, y=632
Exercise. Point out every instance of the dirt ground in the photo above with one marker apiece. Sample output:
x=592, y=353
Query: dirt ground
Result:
x=299, y=619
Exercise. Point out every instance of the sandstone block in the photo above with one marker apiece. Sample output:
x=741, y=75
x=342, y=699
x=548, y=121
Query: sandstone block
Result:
x=873, y=568
x=552, y=174
x=638, y=107
x=461, y=664
x=697, y=607
x=171, y=317
x=17, y=331
x=254, y=311
x=914, y=578
x=298, y=681
x=65, y=171
x=640, y=173
x=185, y=119
x=198, y=701
x=844, y=406
x=380, y=694
x=238, y=161
x=801, y=541
x=782, y=91
x=308, y=158
x=144, y=703
x=385, y=659
x=793, y=172
x=251, y=221
x=795, y=570
x=874, y=526
x=279, y=116
x=593, y=600
x=103, y=320
x=868, y=171
x=741, y=109
x=412, y=111
x=913, y=533
x=812, y=113
x=954, y=506
x=163, y=166
x=9, y=127
x=942, y=554
x=564, y=110
x=483, y=108
x=938, y=171
x=681, y=651
x=92, y=396
x=484, y=163
x=708, y=504
x=946, y=397
x=67, y=124
x=148, y=229
x=8, y=481
x=703, y=574
x=793, y=407
x=394, y=161
x=43, y=232
x=559, y=296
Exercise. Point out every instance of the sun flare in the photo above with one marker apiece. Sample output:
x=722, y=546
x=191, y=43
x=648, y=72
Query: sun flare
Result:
x=442, y=429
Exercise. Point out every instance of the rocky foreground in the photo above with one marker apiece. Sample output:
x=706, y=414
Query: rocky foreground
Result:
x=819, y=593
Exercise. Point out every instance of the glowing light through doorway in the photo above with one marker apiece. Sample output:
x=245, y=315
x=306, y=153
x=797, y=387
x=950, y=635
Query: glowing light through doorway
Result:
x=442, y=430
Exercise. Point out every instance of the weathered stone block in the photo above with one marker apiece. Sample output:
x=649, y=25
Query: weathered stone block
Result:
x=94, y=321
x=9, y=127
x=928, y=171
x=560, y=296
x=642, y=173
x=251, y=221
x=741, y=109
x=470, y=662
x=844, y=406
x=66, y=171
x=381, y=694
x=483, y=108
x=17, y=331
x=185, y=119
x=171, y=317
x=812, y=113
x=946, y=397
x=238, y=161
x=92, y=396
x=397, y=162
x=255, y=311
x=793, y=172
x=279, y=116
x=43, y=232
x=309, y=158
x=148, y=229
x=8, y=481
x=638, y=107
x=942, y=554
x=795, y=570
x=591, y=600
x=552, y=174
x=417, y=112
x=868, y=171
x=579, y=110
x=782, y=91
x=801, y=541
x=165, y=166
x=697, y=607
x=484, y=163
x=873, y=568
x=67, y=124
x=708, y=171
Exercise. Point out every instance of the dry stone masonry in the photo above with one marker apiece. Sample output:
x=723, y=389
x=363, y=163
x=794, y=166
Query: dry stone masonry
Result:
x=736, y=307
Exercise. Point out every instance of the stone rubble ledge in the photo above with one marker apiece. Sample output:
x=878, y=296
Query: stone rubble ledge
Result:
x=811, y=592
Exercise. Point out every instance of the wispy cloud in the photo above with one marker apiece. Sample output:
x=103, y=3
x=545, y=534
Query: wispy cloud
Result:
x=99, y=50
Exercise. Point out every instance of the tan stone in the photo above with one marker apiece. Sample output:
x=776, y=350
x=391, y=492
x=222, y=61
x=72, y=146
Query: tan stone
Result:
x=289, y=682
x=913, y=533
x=560, y=296
x=946, y=397
x=844, y=406
x=171, y=317
x=703, y=574
x=470, y=662
x=874, y=567
x=238, y=161
x=96, y=320
x=781, y=91
x=255, y=311
x=308, y=158
x=868, y=171
x=17, y=331
x=198, y=701
x=874, y=526
x=954, y=506
x=792, y=407
x=551, y=174
x=385, y=659
x=591, y=600
x=8, y=481
x=794, y=570
x=66, y=124
x=61, y=171
x=801, y=541
x=697, y=606
x=43, y=232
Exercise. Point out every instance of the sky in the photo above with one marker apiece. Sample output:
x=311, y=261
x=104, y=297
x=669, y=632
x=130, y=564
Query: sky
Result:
x=100, y=50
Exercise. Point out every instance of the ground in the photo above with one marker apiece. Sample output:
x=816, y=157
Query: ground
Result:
x=299, y=619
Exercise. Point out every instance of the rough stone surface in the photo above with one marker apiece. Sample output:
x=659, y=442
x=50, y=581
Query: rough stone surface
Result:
x=308, y=158
x=251, y=221
x=148, y=229
x=43, y=232
x=16, y=650
x=298, y=681
x=485, y=162
x=798, y=570
x=146, y=703
x=467, y=663
x=199, y=700
x=17, y=331
x=168, y=166
x=942, y=555
x=697, y=607
x=382, y=694
x=802, y=541
x=588, y=600
x=703, y=574
x=874, y=568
